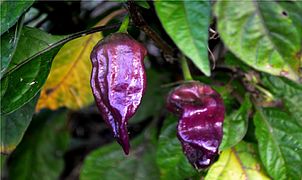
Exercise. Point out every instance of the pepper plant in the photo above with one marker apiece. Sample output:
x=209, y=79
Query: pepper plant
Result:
x=151, y=89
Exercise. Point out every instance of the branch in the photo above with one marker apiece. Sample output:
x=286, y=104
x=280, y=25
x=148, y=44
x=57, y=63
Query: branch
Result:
x=139, y=21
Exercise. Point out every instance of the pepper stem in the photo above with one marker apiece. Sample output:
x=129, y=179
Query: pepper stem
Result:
x=264, y=91
x=124, y=26
x=185, y=69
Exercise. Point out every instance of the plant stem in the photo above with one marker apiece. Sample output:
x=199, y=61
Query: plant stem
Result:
x=185, y=69
x=264, y=91
x=140, y=22
x=123, y=28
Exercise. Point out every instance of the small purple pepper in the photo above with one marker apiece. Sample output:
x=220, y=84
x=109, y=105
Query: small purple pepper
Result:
x=118, y=81
x=201, y=111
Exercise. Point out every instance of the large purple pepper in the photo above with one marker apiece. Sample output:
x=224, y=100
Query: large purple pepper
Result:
x=118, y=81
x=201, y=111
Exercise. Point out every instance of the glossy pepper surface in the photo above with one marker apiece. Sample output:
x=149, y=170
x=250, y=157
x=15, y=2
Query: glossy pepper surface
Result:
x=118, y=81
x=201, y=115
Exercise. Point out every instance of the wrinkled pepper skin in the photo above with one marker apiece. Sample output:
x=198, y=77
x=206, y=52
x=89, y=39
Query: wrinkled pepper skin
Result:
x=201, y=115
x=118, y=81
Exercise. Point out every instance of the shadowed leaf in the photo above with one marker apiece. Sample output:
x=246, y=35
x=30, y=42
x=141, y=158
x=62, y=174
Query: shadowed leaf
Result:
x=170, y=159
x=14, y=125
x=110, y=162
x=40, y=154
x=235, y=125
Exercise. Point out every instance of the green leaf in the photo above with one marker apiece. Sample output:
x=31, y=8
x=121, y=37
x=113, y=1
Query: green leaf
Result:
x=231, y=60
x=154, y=99
x=280, y=143
x=172, y=162
x=265, y=35
x=11, y=11
x=239, y=162
x=235, y=125
x=143, y=4
x=289, y=91
x=187, y=23
x=110, y=162
x=40, y=154
x=14, y=125
x=28, y=69
x=9, y=42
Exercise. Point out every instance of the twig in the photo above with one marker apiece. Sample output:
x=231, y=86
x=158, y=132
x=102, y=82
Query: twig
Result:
x=139, y=21
x=212, y=31
x=213, y=57
x=215, y=34
x=34, y=18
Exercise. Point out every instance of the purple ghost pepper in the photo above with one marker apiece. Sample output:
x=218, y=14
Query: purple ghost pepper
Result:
x=201, y=111
x=118, y=81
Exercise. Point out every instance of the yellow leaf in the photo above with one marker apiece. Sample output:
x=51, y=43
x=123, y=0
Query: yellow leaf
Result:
x=238, y=163
x=68, y=82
